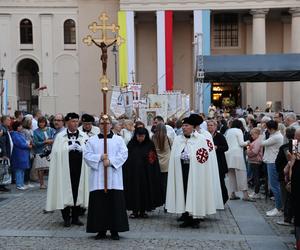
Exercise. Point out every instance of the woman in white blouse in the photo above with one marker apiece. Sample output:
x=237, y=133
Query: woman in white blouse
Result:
x=237, y=173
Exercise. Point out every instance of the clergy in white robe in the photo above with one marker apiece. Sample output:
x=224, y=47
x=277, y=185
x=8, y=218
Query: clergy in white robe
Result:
x=68, y=173
x=106, y=211
x=190, y=187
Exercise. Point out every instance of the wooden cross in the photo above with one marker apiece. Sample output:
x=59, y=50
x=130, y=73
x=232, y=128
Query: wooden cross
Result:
x=104, y=42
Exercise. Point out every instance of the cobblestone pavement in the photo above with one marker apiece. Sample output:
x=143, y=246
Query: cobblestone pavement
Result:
x=25, y=226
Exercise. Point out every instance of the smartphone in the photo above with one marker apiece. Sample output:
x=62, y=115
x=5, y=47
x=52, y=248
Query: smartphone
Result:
x=293, y=146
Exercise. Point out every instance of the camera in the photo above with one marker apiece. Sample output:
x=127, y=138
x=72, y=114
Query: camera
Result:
x=293, y=146
x=46, y=152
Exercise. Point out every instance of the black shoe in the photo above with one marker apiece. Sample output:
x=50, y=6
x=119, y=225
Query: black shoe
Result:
x=115, y=236
x=183, y=217
x=185, y=224
x=4, y=189
x=195, y=223
x=67, y=223
x=82, y=211
x=77, y=222
x=100, y=236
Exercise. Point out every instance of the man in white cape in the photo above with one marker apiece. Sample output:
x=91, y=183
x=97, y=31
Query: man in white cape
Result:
x=68, y=173
x=106, y=211
x=190, y=189
x=198, y=120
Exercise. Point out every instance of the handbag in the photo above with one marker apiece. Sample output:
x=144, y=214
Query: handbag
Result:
x=5, y=172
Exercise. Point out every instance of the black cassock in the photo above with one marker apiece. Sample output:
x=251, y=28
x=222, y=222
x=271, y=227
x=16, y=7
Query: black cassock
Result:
x=75, y=162
x=107, y=211
x=141, y=172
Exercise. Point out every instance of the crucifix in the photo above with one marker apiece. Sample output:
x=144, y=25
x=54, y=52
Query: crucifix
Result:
x=103, y=42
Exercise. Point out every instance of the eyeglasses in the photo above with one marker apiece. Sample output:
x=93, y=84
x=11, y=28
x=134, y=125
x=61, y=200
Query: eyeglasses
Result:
x=56, y=120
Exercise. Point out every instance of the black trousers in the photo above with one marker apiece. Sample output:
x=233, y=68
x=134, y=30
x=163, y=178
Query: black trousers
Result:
x=70, y=212
x=257, y=172
x=223, y=187
x=164, y=182
x=288, y=210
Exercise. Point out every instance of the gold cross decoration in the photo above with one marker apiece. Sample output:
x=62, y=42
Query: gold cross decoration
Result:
x=103, y=27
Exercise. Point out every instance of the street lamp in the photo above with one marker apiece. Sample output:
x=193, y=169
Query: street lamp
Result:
x=2, y=72
x=115, y=53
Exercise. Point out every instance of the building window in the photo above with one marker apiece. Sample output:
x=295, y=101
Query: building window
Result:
x=26, y=31
x=69, y=32
x=226, y=30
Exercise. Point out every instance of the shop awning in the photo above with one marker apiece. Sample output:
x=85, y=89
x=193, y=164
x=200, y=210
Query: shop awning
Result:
x=252, y=68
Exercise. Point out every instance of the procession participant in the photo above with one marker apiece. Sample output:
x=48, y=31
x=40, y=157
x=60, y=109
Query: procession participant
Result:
x=142, y=177
x=107, y=210
x=221, y=147
x=59, y=124
x=68, y=173
x=87, y=125
x=170, y=131
x=190, y=188
x=198, y=120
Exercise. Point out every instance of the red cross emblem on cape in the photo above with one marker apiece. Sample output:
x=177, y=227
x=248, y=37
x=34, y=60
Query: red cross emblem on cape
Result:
x=210, y=145
x=202, y=155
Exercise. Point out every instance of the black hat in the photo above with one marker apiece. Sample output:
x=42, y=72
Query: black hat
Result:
x=196, y=119
x=187, y=120
x=87, y=118
x=71, y=116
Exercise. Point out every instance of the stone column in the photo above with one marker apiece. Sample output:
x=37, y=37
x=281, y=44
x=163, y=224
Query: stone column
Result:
x=295, y=48
x=247, y=86
x=259, y=93
x=46, y=104
x=286, y=22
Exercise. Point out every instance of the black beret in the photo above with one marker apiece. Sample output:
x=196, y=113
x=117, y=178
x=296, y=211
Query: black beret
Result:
x=187, y=120
x=87, y=118
x=71, y=116
x=196, y=119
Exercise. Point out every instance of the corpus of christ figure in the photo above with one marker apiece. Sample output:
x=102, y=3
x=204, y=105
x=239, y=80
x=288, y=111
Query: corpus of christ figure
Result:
x=103, y=57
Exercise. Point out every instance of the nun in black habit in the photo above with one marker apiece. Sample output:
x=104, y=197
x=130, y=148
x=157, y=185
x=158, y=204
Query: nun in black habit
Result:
x=142, y=185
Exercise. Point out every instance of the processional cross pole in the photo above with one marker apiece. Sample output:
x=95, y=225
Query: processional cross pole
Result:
x=103, y=42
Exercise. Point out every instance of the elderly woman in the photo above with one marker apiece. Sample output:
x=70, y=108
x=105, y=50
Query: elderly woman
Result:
x=221, y=147
x=43, y=140
x=235, y=160
x=27, y=132
x=20, y=154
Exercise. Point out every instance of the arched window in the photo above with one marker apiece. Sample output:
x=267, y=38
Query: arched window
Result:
x=69, y=32
x=26, y=31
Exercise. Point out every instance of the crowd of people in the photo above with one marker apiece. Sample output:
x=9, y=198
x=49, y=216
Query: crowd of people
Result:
x=180, y=164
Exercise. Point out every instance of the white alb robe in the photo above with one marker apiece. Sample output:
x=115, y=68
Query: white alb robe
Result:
x=117, y=154
x=200, y=197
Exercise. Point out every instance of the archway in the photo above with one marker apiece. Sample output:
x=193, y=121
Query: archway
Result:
x=28, y=82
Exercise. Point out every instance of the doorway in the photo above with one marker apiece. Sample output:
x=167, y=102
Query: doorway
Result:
x=226, y=94
x=28, y=83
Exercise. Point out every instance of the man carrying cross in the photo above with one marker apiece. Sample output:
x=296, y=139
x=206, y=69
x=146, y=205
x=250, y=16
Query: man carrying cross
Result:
x=106, y=210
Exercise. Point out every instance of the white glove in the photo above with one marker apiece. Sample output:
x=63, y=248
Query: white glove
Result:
x=78, y=147
x=72, y=147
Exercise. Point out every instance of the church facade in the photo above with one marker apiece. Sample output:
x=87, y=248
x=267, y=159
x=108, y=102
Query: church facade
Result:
x=47, y=65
